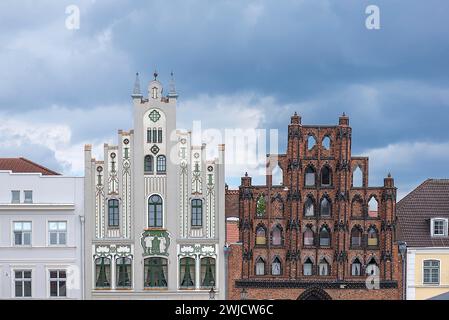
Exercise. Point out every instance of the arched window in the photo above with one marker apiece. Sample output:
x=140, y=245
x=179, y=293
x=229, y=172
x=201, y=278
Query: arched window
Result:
x=325, y=238
x=113, y=213
x=207, y=272
x=277, y=176
x=187, y=272
x=309, y=207
x=324, y=267
x=261, y=236
x=356, y=268
x=357, y=177
x=326, y=143
x=123, y=273
x=276, y=267
x=308, y=237
x=373, y=207
x=373, y=240
x=356, y=237
x=161, y=164
x=310, y=177
x=148, y=164
x=372, y=268
x=260, y=267
x=155, y=272
x=311, y=142
x=308, y=267
x=261, y=206
x=155, y=212
x=325, y=207
x=197, y=213
x=276, y=236
x=154, y=92
x=431, y=272
x=326, y=176
x=102, y=272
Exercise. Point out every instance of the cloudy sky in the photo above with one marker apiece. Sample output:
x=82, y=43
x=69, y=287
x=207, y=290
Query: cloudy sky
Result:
x=247, y=64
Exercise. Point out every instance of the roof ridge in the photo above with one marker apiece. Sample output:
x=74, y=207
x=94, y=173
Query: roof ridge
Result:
x=40, y=166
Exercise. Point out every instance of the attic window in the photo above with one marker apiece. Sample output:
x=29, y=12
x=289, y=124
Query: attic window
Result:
x=439, y=227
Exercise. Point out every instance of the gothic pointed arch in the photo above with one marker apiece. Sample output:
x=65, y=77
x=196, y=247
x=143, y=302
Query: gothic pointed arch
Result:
x=261, y=205
x=314, y=293
x=326, y=176
x=310, y=176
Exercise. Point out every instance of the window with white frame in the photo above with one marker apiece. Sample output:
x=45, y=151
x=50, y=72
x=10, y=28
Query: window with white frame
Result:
x=22, y=233
x=431, y=272
x=22, y=283
x=15, y=196
x=439, y=227
x=28, y=196
x=58, y=283
x=57, y=232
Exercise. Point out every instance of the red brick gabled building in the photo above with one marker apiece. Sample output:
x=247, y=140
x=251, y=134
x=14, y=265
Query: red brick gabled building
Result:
x=322, y=233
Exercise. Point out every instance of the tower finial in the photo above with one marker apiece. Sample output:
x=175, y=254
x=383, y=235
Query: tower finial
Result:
x=172, y=92
x=136, y=91
x=155, y=74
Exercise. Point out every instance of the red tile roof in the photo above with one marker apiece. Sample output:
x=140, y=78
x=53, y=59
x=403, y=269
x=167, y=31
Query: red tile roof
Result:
x=414, y=211
x=22, y=165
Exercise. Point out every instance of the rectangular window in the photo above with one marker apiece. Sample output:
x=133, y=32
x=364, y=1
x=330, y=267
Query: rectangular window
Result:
x=149, y=135
x=58, y=283
x=22, y=283
x=159, y=135
x=28, y=196
x=431, y=272
x=197, y=213
x=57, y=232
x=15, y=196
x=154, y=135
x=22, y=233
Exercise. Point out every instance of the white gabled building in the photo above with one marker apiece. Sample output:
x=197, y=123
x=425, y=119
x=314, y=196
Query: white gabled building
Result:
x=41, y=217
x=155, y=220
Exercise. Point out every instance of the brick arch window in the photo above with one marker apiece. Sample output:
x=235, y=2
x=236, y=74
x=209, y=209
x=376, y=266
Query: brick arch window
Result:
x=307, y=268
x=357, y=206
x=276, y=267
x=260, y=266
x=311, y=142
x=373, y=237
x=325, y=207
x=324, y=267
x=326, y=176
x=261, y=206
x=309, y=176
x=309, y=207
x=325, y=237
x=373, y=207
x=372, y=268
x=357, y=177
x=356, y=268
x=326, y=143
x=356, y=237
x=276, y=236
x=261, y=235
x=309, y=237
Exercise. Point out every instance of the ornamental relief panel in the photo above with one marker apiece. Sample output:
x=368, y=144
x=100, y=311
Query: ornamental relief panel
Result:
x=155, y=242
x=112, y=250
x=205, y=250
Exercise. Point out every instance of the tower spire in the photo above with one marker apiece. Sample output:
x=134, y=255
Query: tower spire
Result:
x=172, y=92
x=136, y=91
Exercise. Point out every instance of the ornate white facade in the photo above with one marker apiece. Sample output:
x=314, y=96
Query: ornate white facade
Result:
x=155, y=220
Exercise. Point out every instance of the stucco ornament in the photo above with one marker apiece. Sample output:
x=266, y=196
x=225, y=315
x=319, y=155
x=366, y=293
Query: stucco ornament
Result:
x=155, y=242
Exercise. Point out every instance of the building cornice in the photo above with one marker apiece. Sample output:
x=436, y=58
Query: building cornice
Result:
x=37, y=207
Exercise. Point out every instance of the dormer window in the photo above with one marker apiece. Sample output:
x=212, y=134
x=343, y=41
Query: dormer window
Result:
x=439, y=227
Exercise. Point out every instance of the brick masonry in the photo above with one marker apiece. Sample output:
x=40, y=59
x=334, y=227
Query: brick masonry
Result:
x=285, y=210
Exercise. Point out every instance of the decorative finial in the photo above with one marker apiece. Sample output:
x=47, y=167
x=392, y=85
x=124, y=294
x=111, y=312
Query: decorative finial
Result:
x=344, y=114
x=172, y=92
x=389, y=174
x=296, y=113
x=155, y=75
x=136, y=91
x=246, y=174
